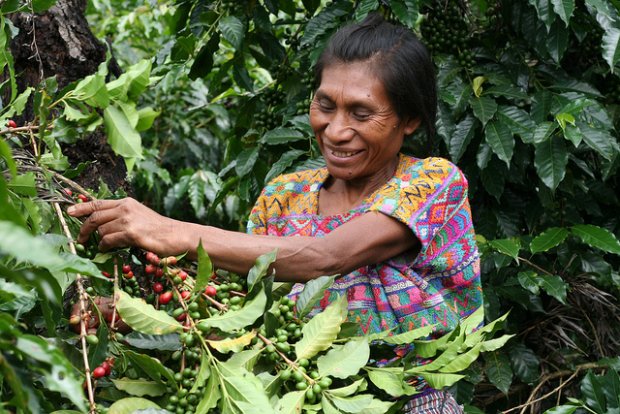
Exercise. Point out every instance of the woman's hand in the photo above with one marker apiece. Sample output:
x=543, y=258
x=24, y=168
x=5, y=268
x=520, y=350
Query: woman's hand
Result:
x=126, y=222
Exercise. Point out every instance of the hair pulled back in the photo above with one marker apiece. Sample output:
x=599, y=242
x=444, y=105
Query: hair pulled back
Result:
x=400, y=61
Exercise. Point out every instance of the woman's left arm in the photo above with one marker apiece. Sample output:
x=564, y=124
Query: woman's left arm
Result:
x=367, y=239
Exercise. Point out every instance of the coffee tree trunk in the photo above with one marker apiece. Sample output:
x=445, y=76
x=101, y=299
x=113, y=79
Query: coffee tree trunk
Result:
x=59, y=43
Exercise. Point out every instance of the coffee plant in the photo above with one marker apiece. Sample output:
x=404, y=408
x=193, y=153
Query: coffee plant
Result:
x=210, y=104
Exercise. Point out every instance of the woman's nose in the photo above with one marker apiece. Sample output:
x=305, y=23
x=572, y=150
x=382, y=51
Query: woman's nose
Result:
x=339, y=128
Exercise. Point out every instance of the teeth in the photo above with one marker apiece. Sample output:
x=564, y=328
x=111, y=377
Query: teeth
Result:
x=342, y=154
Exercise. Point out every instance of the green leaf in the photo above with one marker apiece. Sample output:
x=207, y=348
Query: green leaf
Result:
x=232, y=344
x=564, y=9
x=291, y=402
x=599, y=140
x=354, y=404
x=139, y=387
x=152, y=367
x=132, y=82
x=245, y=393
x=498, y=370
x=130, y=405
x=24, y=184
x=61, y=375
x=357, y=386
x=525, y=363
x=550, y=159
x=169, y=342
x=236, y=320
x=205, y=269
x=346, y=360
x=285, y=161
x=24, y=247
x=463, y=134
x=557, y=41
x=544, y=12
x=500, y=139
x=313, y=291
x=548, y=239
x=39, y=6
x=541, y=133
x=484, y=108
x=319, y=333
x=123, y=138
x=508, y=91
x=260, y=269
x=441, y=380
x=146, y=117
x=390, y=380
x=232, y=30
x=327, y=19
x=142, y=317
x=408, y=336
x=211, y=394
x=529, y=280
x=364, y=8
x=595, y=236
x=462, y=361
x=555, y=286
x=593, y=393
x=282, y=136
x=377, y=406
x=509, y=247
x=246, y=160
x=611, y=47
x=92, y=90
x=562, y=409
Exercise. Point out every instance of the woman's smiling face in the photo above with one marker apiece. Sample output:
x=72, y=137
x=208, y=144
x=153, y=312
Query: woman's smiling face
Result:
x=355, y=125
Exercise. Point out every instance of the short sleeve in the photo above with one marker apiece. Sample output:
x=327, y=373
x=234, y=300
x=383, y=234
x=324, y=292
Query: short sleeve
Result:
x=431, y=197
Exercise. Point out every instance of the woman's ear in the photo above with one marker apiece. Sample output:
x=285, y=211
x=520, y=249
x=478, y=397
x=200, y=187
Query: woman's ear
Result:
x=411, y=125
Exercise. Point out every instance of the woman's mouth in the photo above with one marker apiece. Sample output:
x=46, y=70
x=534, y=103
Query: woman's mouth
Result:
x=344, y=154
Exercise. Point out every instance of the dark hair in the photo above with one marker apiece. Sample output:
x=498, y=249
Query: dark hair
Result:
x=400, y=60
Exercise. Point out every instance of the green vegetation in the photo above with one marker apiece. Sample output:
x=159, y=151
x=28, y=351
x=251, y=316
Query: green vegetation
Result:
x=211, y=104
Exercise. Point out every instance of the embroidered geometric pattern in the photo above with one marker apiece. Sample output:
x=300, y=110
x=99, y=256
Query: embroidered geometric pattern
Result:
x=440, y=285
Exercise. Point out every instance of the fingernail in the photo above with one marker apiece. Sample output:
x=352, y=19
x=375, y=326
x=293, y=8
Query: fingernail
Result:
x=71, y=209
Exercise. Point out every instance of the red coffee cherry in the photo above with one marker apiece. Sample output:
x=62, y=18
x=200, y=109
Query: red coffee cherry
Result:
x=126, y=268
x=158, y=287
x=210, y=291
x=82, y=197
x=165, y=298
x=11, y=124
x=99, y=372
x=150, y=269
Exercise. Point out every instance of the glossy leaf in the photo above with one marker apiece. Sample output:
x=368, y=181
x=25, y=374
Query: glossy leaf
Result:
x=509, y=247
x=319, y=333
x=441, y=380
x=285, y=161
x=169, y=342
x=313, y=291
x=592, y=390
x=564, y=9
x=554, y=286
x=139, y=387
x=557, y=41
x=152, y=367
x=354, y=404
x=498, y=370
x=291, y=402
x=205, y=269
x=390, y=380
x=232, y=30
x=611, y=47
x=211, y=395
x=598, y=237
x=500, y=139
x=246, y=160
x=234, y=320
x=550, y=159
x=525, y=363
x=260, y=269
x=282, y=136
x=143, y=317
x=462, y=136
x=484, y=108
x=123, y=138
x=346, y=360
x=548, y=239
x=130, y=405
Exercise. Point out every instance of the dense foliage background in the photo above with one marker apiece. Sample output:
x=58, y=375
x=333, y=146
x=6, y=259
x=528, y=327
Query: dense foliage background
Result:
x=213, y=102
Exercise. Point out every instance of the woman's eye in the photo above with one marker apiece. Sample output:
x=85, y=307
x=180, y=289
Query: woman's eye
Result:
x=325, y=105
x=361, y=115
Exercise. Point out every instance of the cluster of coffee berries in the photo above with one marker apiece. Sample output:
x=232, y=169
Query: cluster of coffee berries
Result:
x=446, y=30
x=184, y=401
x=78, y=198
x=104, y=369
x=305, y=377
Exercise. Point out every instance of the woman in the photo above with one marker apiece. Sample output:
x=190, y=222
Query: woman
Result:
x=396, y=227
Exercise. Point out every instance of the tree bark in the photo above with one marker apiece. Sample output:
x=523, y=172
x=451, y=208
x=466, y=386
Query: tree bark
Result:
x=59, y=43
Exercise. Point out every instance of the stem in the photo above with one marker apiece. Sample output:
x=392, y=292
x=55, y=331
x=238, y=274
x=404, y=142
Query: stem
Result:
x=535, y=266
x=114, y=297
x=19, y=129
x=82, y=302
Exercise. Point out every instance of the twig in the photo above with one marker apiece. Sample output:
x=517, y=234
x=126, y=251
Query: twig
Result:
x=113, y=321
x=548, y=377
x=81, y=300
x=19, y=129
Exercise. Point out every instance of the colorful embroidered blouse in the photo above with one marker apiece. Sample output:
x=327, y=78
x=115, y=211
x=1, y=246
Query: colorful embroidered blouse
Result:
x=438, y=286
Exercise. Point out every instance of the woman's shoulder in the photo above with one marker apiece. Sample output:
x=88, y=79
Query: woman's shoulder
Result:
x=434, y=169
x=297, y=182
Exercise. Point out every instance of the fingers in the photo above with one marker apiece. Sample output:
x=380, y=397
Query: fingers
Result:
x=84, y=209
x=95, y=221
